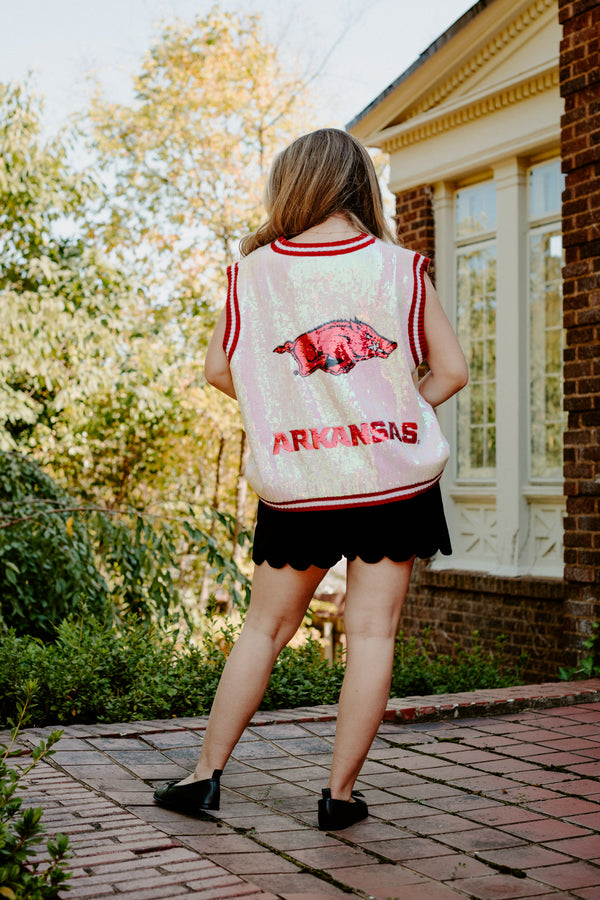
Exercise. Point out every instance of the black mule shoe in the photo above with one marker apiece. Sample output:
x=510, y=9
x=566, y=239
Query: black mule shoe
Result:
x=192, y=797
x=337, y=814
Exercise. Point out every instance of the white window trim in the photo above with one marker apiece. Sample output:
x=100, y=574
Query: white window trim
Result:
x=538, y=225
x=515, y=503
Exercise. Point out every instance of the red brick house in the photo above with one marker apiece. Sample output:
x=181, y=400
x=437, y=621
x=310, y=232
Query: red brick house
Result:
x=493, y=136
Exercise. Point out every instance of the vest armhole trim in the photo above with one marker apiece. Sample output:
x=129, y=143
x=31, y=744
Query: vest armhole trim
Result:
x=232, y=324
x=416, y=318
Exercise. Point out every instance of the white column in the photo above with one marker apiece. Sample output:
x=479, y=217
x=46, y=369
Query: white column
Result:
x=512, y=383
x=445, y=282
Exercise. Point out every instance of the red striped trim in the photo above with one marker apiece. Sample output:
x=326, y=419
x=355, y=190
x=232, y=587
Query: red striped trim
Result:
x=416, y=318
x=375, y=498
x=228, y=310
x=421, y=315
x=331, y=248
x=236, y=307
x=232, y=325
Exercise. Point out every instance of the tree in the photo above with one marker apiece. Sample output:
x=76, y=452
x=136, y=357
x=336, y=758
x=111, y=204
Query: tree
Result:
x=111, y=279
x=90, y=389
x=63, y=305
x=89, y=383
x=213, y=103
x=187, y=163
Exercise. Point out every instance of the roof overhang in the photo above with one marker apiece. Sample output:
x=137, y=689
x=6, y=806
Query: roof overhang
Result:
x=438, y=83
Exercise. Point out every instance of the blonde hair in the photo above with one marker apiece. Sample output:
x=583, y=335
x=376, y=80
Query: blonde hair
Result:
x=320, y=174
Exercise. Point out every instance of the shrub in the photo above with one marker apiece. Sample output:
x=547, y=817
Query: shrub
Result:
x=57, y=556
x=99, y=671
x=21, y=875
x=96, y=671
x=302, y=677
x=419, y=672
x=47, y=566
x=589, y=666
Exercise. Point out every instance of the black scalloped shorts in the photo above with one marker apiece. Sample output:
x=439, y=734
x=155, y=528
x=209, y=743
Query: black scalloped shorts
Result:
x=398, y=530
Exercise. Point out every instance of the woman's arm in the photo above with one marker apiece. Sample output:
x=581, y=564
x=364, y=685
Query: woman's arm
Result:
x=448, y=371
x=216, y=365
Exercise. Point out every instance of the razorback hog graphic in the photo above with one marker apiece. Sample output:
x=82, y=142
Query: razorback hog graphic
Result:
x=336, y=347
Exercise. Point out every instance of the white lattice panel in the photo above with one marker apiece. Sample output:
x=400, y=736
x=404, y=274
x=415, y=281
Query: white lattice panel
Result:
x=475, y=535
x=546, y=521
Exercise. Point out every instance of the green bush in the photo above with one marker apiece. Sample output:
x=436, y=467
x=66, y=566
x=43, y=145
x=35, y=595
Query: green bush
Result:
x=96, y=671
x=58, y=556
x=99, y=671
x=589, y=666
x=302, y=677
x=418, y=672
x=47, y=565
x=21, y=876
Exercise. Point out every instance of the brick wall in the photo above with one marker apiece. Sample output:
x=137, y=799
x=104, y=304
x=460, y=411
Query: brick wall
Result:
x=534, y=615
x=580, y=150
x=415, y=223
x=549, y=619
x=528, y=612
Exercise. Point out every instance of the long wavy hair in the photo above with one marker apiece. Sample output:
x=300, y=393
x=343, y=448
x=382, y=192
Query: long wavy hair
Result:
x=320, y=174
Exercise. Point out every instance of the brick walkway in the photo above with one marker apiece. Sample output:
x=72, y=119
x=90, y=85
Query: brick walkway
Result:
x=467, y=800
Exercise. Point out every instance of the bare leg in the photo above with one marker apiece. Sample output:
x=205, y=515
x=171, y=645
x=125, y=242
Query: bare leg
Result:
x=278, y=602
x=374, y=599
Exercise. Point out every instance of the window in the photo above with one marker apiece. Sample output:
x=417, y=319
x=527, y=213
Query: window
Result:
x=476, y=317
x=546, y=336
x=500, y=248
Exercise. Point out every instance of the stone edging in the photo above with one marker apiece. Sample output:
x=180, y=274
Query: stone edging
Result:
x=501, y=701
x=404, y=710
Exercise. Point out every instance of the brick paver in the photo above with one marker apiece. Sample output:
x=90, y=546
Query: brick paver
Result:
x=494, y=794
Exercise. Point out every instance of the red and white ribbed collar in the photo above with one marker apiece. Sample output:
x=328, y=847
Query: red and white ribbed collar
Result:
x=332, y=248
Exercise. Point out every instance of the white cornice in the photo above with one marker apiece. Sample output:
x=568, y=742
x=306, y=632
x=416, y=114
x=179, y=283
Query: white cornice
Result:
x=469, y=108
x=476, y=160
x=494, y=46
x=466, y=54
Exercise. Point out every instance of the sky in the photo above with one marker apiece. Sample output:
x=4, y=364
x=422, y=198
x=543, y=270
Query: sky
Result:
x=358, y=46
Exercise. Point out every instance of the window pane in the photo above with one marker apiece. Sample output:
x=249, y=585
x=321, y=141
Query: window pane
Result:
x=476, y=315
x=476, y=447
x=554, y=303
x=476, y=210
x=554, y=351
x=545, y=186
x=546, y=353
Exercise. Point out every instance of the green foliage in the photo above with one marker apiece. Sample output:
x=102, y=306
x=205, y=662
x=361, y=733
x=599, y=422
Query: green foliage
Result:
x=417, y=671
x=95, y=385
x=589, y=666
x=59, y=297
x=138, y=554
x=223, y=567
x=47, y=565
x=302, y=677
x=96, y=671
x=213, y=102
x=22, y=877
x=57, y=556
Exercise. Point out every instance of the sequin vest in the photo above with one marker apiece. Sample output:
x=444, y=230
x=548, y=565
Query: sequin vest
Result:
x=323, y=341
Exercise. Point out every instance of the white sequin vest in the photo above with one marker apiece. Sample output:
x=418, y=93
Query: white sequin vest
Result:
x=323, y=341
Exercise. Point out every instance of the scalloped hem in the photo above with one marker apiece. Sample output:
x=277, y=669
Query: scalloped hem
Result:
x=369, y=558
x=397, y=531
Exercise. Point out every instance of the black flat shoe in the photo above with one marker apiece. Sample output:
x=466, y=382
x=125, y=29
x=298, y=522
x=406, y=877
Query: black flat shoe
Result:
x=192, y=797
x=337, y=814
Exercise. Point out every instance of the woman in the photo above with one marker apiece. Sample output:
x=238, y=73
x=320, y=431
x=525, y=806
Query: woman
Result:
x=326, y=322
